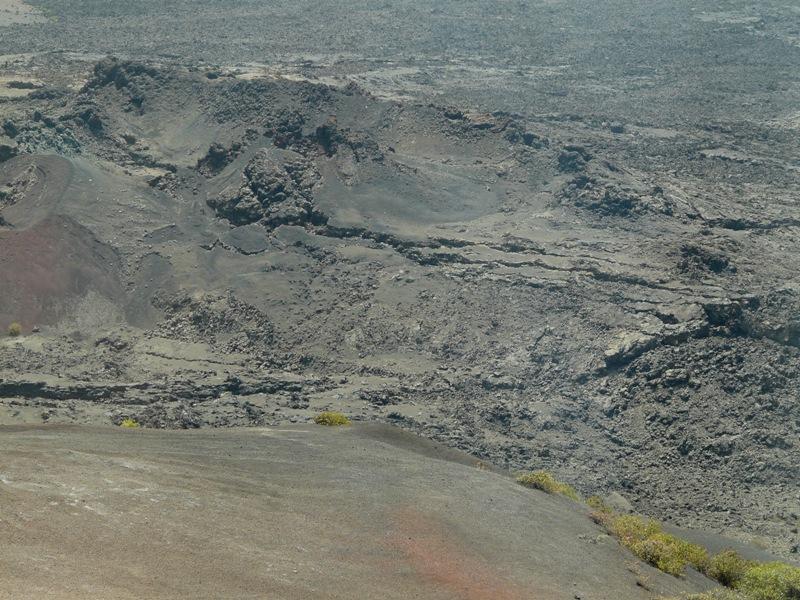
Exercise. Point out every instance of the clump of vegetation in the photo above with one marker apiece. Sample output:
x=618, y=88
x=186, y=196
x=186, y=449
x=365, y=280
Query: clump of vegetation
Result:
x=770, y=581
x=718, y=594
x=670, y=554
x=598, y=505
x=129, y=423
x=631, y=529
x=543, y=480
x=728, y=568
x=331, y=419
x=646, y=539
x=14, y=330
x=743, y=579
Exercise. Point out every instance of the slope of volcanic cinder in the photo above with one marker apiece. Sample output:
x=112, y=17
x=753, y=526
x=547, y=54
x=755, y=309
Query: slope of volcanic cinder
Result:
x=436, y=558
x=298, y=513
x=44, y=269
x=31, y=187
x=48, y=261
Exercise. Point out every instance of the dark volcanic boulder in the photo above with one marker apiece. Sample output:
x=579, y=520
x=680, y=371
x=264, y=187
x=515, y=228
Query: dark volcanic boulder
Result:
x=8, y=149
x=272, y=193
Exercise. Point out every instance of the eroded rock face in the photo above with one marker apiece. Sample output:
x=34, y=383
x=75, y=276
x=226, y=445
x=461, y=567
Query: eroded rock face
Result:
x=133, y=79
x=614, y=196
x=628, y=346
x=8, y=149
x=17, y=188
x=330, y=138
x=120, y=73
x=217, y=158
x=571, y=160
x=286, y=128
x=700, y=259
x=777, y=318
x=201, y=318
x=272, y=193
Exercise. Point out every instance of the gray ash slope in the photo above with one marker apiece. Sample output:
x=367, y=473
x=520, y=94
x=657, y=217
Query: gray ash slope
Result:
x=617, y=302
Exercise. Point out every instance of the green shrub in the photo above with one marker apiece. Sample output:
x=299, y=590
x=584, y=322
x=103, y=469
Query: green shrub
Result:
x=728, y=568
x=129, y=423
x=331, y=419
x=630, y=529
x=602, y=513
x=543, y=480
x=771, y=581
x=670, y=554
x=717, y=594
x=658, y=550
x=696, y=556
x=645, y=538
x=749, y=580
x=14, y=330
x=604, y=519
x=597, y=504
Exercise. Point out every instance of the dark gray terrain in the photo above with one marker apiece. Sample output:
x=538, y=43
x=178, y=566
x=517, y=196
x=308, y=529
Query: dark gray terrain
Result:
x=556, y=234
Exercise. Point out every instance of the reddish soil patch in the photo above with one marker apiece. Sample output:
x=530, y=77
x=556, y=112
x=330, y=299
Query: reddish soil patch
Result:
x=438, y=558
x=47, y=266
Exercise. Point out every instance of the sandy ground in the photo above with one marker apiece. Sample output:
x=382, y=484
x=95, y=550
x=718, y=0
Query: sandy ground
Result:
x=296, y=512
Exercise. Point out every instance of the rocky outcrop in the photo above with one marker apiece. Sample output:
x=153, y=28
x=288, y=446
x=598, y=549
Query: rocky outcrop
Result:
x=573, y=158
x=272, y=192
x=8, y=149
x=17, y=188
x=142, y=393
x=202, y=317
x=217, y=158
x=614, y=196
x=120, y=73
x=700, y=259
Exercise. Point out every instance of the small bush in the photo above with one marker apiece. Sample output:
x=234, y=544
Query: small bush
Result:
x=542, y=480
x=331, y=419
x=695, y=555
x=129, y=423
x=717, y=594
x=728, y=568
x=771, y=581
x=630, y=529
x=604, y=519
x=670, y=554
x=645, y=538
x=597, y=504
x=749, y=580
x=658, y=550
x=602, y=513
x=14, y=330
